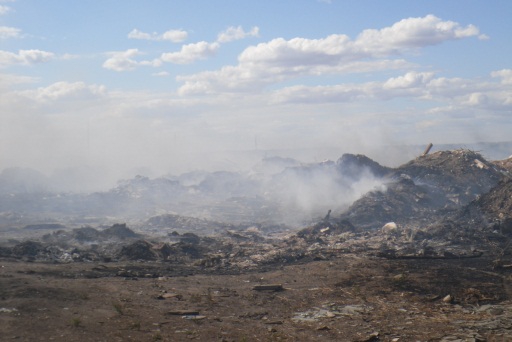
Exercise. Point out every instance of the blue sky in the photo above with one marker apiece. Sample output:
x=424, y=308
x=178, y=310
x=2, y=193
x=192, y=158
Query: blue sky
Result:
x=173, y=85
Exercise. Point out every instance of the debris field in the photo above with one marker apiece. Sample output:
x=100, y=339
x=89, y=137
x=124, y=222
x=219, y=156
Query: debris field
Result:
x=424, y=256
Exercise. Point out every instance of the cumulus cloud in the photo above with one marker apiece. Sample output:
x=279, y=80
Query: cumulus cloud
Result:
x=24, y=57
x=125, y=60
x=188, y=53
x=122, y=60
x=69, y=91
x=248, y=78
x=505, y=75
x=409, y=80
x=4, y=9
x=336, y=48
x=58, y=95
x=236, y=33
x=174, y=36
x=412, y=33
x=7, y=32
x=281, y=59
x=495, y=101
x=418, y=85
x=191, y=52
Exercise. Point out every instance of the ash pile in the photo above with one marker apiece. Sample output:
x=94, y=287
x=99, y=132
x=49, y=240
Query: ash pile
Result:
x=446, y=204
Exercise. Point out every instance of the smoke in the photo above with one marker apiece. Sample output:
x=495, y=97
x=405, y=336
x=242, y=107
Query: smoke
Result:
x=307, y=192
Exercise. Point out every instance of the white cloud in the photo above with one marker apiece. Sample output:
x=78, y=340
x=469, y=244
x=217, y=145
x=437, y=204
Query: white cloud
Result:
x=24, y=57
x=35, y=56
x=124, y=60
x=174, y=36
x=69, y=91
x=136, y=34
x=191, y=52
x=411, y=33
x=281, y=59
x=493, y=101
x=237, y=33
x=247, y=78
x=409, y=80
x=300, y=52
x=57, y=95
x=128, y=129
x=7, y=32
x=454, y=92
x=505, y=75
x=4, y=9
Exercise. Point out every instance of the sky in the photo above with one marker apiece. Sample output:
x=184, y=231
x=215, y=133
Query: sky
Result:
x=129, y=86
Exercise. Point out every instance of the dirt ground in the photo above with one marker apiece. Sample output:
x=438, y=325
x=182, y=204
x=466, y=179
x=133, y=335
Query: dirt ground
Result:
x=346, y=298
x=427, y=259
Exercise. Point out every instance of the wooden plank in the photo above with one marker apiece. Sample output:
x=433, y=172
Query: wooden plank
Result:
x=269, y=287
x=183, y=312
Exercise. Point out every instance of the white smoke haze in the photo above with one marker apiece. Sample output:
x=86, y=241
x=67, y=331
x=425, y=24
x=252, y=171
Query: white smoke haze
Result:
x=238, y=96
x=308, y=193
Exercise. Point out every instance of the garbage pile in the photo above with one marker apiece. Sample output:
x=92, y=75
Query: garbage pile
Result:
x=440, y=205
x=445, y=204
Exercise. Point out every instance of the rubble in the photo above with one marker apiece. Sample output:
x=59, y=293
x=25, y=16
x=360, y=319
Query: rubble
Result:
x=504, y=164
x=353, y=166
x=138, y=250
x=120, y=231
x=434, y=235
x=29, y=249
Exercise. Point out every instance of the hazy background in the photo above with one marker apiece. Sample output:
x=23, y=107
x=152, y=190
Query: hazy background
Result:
x=91, y=92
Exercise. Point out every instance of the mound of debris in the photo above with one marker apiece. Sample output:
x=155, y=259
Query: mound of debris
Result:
x=324, y=228
x=486, y=221
x=138, y=250
x=402, y=201
x=425, y=189
x=441, y=205
x=35, y=251
x=450, y=204
x=496, y=205
x=492, y=210
x=120, y=231
x=116, y=232
x=86, y=234
x=27, y=249
x=353, y=165
x=505, y=163
x=461, y=174
x=183, y=223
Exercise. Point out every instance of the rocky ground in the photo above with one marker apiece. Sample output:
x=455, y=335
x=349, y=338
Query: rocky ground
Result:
x=424, y=257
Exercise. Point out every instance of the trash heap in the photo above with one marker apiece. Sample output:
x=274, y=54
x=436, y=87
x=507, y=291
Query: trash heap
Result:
x=445, y=204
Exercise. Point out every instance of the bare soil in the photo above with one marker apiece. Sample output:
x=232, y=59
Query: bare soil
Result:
x=346, y=298
x=428, y=258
